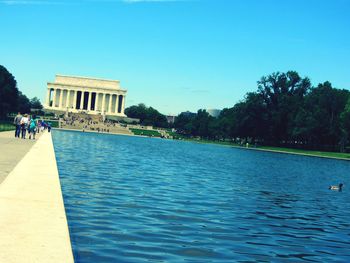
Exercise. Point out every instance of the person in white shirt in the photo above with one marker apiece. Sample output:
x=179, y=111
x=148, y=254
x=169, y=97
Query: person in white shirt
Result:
x=24, y=125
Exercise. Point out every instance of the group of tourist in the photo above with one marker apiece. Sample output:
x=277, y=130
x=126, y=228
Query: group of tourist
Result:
x=29, y=123
x=86, y=122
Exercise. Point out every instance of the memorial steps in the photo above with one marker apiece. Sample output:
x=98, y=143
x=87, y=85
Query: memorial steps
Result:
x=84, y=122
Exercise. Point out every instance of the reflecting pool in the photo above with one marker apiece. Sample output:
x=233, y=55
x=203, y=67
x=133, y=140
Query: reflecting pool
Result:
x=134, y=199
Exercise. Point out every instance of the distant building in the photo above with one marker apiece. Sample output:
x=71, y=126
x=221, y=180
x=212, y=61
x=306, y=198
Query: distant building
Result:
x=89, y=95
x=170, y=118
x=214, y=112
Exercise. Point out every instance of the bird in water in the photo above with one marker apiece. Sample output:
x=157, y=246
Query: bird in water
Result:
x=338, y=188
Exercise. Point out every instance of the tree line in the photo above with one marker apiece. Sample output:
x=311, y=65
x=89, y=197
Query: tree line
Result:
x=11, y=99
x=286, y=110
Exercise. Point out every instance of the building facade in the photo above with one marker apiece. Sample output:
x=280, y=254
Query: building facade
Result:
x=82, y=94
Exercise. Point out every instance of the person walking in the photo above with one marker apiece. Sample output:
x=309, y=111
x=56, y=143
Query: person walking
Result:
x=24, y=125
x=32, y=127
x=17, y=123
x=38, y=126
x=29, y=118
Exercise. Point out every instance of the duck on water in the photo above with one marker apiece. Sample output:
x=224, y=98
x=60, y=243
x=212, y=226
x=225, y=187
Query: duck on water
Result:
x=338, y=188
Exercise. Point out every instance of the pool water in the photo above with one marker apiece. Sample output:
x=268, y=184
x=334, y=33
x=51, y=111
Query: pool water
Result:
x=135, y=199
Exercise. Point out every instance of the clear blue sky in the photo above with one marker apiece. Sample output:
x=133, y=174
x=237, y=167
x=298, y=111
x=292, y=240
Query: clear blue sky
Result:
x=175, y=55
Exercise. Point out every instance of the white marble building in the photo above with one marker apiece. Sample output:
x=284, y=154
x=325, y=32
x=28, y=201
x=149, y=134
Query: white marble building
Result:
x=82, y=94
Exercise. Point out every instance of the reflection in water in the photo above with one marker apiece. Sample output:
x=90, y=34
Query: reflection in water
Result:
x=131, y=199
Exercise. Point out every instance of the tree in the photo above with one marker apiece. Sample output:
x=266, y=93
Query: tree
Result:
x=147, y=115
x=225, y=123
x=8, y=92
x=250, y=117
x=184, y=123
x=318, y=121
x=137, y=111
x=345, y=124
x=35, y=104
x=23, y=103
x=283, y=94
x=201, y=124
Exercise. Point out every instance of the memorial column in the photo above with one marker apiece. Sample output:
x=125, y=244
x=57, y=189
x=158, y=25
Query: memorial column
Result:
x=123, y=105
x=103, y=103
x=54, y=98
x=116, y=103
x=110, y=103
x=75, y=99
x=89, y=101
x=68, y=99
x=48, y=97
x=60, y=100
x=82, y=101
x=96, y=102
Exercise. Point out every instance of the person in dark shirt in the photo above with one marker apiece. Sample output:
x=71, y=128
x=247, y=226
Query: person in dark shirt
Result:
x=17, y=123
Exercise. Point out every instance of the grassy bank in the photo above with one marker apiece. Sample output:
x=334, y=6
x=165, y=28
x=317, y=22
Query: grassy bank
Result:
x=280, y=149
x=151, y=133
x=307, y=152
x=6, y=126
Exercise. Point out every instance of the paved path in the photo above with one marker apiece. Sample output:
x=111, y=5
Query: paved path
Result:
x=12, y=151
x=32, y=216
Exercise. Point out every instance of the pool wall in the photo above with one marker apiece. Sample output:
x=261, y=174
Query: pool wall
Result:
x=32, y=215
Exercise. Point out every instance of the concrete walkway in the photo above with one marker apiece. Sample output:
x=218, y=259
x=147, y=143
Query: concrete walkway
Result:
x=32, y=216
x=12, y=151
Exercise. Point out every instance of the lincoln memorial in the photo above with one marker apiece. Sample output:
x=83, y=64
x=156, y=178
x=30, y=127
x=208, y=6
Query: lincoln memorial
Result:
x=82, y=94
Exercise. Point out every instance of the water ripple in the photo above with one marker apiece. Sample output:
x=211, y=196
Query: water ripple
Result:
x=131, y=199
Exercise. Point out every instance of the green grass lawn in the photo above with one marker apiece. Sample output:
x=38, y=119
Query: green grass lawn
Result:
x=280, y=149
x=307, y=152
x=6, y=126
x=151, y=133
